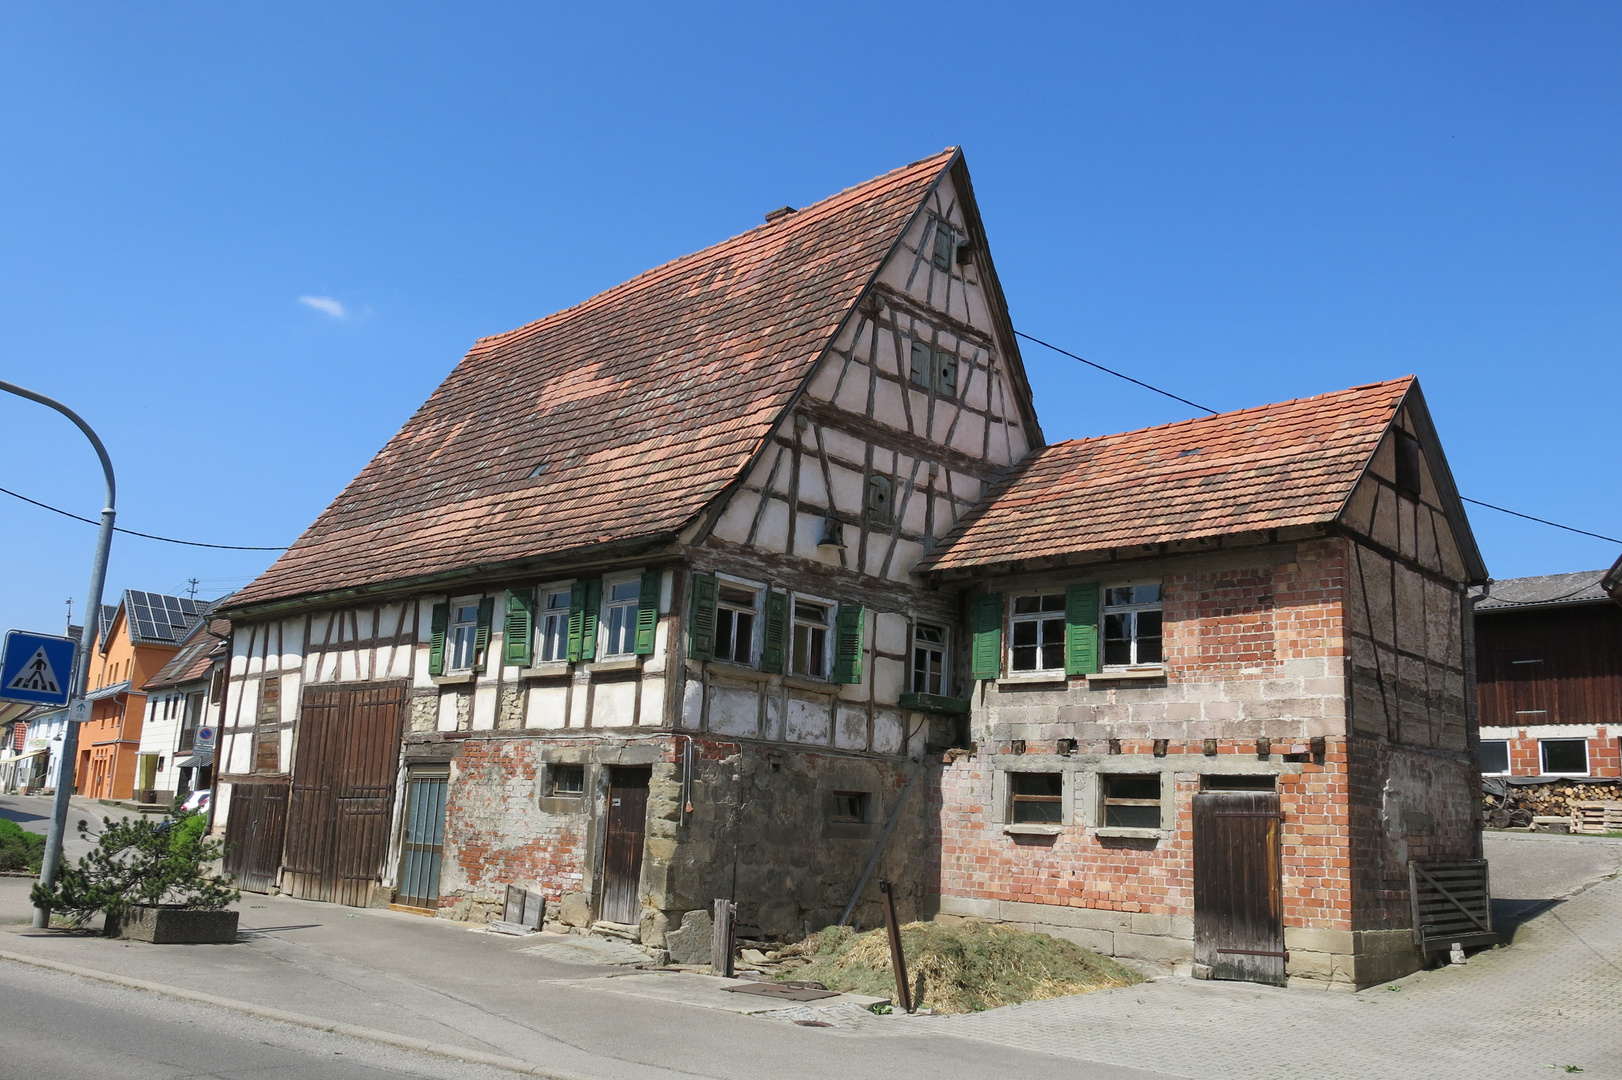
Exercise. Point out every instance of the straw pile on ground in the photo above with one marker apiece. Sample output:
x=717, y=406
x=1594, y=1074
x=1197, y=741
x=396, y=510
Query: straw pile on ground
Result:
x=957, y=967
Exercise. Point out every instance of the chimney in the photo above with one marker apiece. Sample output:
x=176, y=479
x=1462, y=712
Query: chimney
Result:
x=780, y=213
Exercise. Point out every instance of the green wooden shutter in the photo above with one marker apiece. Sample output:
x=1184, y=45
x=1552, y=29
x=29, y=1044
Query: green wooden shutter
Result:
x=944, y=246
x=921, y=361
x=849, y=623
x=776, y=633
x=1081, y=629
x=481, y=638
x=647, y=612
x=987, y=627
x=701, y=617
x=436, y=644
x=519, y=628
x=946, y=380
x=584, y=599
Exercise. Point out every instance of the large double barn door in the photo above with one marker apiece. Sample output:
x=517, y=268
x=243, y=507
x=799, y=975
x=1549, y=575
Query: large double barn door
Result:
x=1238, y=890
x=342, y=801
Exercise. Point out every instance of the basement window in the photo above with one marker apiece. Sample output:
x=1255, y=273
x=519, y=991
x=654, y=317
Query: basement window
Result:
x=568, y=781
x=1131, y=802
x=850, y=807
x=1495, y=757
x=1408, y=470
x=1564, y=757
x=1036, y=798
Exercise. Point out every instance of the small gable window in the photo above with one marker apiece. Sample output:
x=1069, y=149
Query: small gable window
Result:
x=945, y=250
x=1408, y=470
x=880, y=499
x=933, y=370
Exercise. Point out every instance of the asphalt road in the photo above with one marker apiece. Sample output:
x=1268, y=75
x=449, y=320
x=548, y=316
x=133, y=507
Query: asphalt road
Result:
x=33, y=812
x=59, y=1027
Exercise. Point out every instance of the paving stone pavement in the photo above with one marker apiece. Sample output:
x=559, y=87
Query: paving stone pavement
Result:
x=572, y=949
x=1551, y=999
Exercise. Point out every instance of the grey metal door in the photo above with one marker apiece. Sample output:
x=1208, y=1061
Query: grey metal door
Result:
x=423, y=845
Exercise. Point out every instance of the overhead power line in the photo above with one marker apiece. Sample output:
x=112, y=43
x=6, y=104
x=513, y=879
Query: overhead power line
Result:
x=132, y=532
x=1213, y=412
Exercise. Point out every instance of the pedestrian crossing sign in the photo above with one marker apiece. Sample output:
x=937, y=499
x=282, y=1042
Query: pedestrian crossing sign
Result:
x=36, y=668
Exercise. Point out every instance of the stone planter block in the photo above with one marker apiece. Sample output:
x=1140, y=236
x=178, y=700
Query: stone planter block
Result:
x=176, y=926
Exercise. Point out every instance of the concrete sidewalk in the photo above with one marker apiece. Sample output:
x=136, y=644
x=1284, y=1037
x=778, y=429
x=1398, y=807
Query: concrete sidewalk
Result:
x=1550, y=999
x=434, y=980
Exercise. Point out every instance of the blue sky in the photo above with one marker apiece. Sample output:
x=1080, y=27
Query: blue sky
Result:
x=1243, y=202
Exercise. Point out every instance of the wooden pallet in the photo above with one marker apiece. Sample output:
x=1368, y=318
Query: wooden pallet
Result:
x=1596, y=817
x=1451, y=903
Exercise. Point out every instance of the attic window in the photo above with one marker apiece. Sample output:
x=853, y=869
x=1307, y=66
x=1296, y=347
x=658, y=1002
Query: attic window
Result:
x=945, y=252
x=1407, y=463
x=538, y=470
x=934, y=370
x=880, y=499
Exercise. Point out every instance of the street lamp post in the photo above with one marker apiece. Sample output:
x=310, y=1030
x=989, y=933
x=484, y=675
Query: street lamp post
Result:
x=87, y=638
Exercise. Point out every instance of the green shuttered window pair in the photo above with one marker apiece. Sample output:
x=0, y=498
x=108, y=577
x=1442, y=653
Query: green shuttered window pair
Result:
x=704, y=607
x=1080, y=632
x=468, y=643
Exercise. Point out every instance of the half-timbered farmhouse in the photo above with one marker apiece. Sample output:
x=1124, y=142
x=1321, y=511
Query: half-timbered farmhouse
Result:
x=753, y=578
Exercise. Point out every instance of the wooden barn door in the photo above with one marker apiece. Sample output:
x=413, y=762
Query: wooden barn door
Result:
x=254, y=831
x=343, y=791
x=1238, y=894
x=622, y=850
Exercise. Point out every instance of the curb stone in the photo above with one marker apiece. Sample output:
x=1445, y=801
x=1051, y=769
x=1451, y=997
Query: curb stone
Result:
x=264, y=1012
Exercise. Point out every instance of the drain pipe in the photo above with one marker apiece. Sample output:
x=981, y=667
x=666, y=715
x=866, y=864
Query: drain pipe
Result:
x=884, y=839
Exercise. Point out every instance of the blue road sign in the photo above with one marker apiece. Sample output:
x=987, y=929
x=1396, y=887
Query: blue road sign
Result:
x=36, y=668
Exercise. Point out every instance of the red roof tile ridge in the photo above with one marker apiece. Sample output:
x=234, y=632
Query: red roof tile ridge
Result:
x=1270, y=407
x=781, y=227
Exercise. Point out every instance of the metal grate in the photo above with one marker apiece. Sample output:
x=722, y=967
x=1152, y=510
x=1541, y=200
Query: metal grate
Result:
x=1452, y=903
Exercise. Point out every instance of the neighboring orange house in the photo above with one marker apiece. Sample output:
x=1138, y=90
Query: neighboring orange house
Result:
x=134, y=641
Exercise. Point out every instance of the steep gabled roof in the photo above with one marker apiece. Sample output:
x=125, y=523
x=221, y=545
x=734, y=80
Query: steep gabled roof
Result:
x=1293, y=463
x=198, y=650
x=613, y=421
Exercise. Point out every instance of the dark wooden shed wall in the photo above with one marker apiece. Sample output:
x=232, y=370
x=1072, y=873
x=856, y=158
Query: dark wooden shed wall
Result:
x=1571, y=669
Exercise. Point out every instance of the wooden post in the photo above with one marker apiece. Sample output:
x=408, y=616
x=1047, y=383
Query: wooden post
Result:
x=898, y=958
x=723, y=941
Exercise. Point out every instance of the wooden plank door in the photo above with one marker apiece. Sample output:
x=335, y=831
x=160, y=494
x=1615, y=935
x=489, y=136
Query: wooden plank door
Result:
x=622, y=849
x=1238, y=891
x=343, y=791
x=423, y=845
x=254, y=833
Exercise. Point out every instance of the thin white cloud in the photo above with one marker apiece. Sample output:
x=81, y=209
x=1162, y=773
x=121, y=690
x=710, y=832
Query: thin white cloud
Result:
x=324, y=304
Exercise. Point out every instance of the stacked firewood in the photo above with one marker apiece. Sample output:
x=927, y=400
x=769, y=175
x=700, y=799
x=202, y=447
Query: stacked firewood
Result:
x=1520, y=805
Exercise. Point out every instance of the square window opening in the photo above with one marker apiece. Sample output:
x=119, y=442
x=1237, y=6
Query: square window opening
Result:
x=928, y=659
x=1131, y=802
x=810, y=645
x=1036, y=633
x=568, y=781
x=850, y=807
x=619, y=616
x=1564, y=757
x=1036, y=798
x=1495, y=757
x=1132, y=626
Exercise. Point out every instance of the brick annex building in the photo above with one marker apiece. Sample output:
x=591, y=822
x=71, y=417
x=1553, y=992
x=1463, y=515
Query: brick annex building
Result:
x=696, y=589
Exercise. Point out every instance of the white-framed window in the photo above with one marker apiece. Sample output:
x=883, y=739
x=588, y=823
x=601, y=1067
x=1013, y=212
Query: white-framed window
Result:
x=1564, y=757
x=1132, y=615
x=928, y=658
x=737, y=613
x=620, y=596
x=812, y=640
x=462, y=636
x=1036, y=633
x=1129, y=802
x=1495, y=757
x=552, y=624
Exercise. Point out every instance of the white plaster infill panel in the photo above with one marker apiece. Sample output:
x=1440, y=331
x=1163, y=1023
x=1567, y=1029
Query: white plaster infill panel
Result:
x=809, y=720
x=614, y=704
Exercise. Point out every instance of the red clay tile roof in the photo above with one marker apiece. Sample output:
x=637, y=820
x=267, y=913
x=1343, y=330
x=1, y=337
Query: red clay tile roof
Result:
x=1294, y=463
x=640, y=405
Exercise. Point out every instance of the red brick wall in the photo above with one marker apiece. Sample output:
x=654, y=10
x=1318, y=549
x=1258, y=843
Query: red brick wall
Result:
x=975, y=858
x=495, y=832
